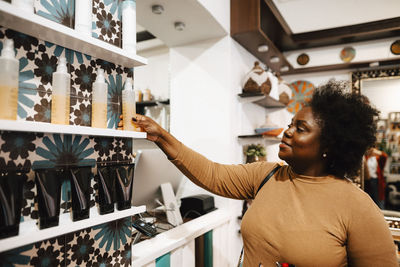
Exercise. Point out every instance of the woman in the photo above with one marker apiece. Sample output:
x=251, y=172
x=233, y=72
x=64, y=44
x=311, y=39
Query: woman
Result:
x=308, y=213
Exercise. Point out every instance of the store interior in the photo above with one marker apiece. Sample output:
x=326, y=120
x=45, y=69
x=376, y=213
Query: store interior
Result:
x=224, y=77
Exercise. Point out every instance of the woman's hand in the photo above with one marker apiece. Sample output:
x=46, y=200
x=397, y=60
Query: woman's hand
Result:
x=144, y=124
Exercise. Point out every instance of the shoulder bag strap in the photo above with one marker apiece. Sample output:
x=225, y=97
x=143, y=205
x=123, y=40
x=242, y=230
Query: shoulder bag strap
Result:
x=261, y=185
x=268, y=177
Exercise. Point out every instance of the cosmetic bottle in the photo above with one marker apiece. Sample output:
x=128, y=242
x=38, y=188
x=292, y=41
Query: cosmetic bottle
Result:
x=11, y=194
x=8, y=81
x=106, y=185
x=83, y=17
x=26, y=5
x=129, y=26
x=60, y=97
x=128, y=105
x=99, y=101
x=123, y=185
x=80, y=191
x=48, y=184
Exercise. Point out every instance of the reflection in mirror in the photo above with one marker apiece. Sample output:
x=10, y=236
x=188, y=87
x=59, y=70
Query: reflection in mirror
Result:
x=381, y=168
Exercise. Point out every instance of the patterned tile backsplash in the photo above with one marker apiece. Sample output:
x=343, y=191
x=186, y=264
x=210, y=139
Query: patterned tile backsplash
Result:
x=103, y=245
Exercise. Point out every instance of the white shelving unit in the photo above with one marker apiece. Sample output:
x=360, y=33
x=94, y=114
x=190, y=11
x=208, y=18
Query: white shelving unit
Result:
x=30, y=233
x=45, y=29
x=148, y=250
x=29, y=126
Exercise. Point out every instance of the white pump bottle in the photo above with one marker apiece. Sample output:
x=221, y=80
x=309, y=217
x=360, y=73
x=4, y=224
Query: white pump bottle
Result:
x=99, y=101
x=60, y=98
x=128, y=105
x=9, y=72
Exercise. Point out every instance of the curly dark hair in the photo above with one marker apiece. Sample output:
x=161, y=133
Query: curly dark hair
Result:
x=348, y=126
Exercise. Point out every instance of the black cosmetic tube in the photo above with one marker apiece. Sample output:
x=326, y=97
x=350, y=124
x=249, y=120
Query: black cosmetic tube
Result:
x=106, y=183
x=11, y=193
x=48, y=184
x=123, y=185
x=80, y=189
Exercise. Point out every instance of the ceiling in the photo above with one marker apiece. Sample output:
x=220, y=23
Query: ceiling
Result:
x=288, y=25
x=199, y=23
x=285, y=25
x=314, y=15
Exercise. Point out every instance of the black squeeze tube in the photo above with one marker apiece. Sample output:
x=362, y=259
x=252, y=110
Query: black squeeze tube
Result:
x=106, y=184
x=11, y=194
x=48, y=184
x=124, y=184
x=80, y=178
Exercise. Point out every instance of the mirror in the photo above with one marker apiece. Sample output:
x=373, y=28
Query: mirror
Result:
x=380, y=176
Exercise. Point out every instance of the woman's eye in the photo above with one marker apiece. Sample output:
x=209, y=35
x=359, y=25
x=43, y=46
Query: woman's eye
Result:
x=300, y=129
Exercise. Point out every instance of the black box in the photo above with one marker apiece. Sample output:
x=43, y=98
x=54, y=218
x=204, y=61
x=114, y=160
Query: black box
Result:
x=197, y=205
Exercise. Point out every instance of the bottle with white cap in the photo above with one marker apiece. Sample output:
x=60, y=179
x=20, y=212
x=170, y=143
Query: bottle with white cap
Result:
x=99, y=101
x=60, y=98
x=9, y=72
x=128, y=105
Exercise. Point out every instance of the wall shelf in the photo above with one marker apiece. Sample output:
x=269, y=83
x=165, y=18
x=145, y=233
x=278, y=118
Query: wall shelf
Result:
x=44, y=29
x=262, y=100
x=257, y=138
x=30, y=233
x=141, y=105
x=43, y=127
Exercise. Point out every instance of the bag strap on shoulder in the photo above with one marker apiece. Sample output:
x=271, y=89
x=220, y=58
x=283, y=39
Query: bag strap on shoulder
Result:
x=268, y=177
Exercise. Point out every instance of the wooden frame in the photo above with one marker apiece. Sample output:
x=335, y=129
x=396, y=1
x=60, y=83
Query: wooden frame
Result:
x=380, y=73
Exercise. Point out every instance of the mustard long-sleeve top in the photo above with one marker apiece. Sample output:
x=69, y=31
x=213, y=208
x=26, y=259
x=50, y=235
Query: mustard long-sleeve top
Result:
x=297, y=219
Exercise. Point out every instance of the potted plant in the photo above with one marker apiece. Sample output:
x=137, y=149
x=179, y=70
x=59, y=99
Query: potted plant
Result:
x=255, y=152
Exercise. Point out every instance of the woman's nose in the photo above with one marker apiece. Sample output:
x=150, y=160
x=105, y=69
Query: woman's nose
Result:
x=288, y=132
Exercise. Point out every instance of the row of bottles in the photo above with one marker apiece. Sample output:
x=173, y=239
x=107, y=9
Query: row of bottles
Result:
x=60, y=107
x=115, y=189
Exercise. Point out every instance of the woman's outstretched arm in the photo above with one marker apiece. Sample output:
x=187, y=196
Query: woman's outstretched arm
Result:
x=155, y=133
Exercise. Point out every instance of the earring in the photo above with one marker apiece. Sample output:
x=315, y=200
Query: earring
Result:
x=324, y=155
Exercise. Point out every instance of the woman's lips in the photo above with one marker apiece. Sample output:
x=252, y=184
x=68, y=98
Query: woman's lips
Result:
x=283, y=144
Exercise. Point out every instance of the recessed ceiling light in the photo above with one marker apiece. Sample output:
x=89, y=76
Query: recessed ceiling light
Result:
x=374, y=64
x=179, y=25
x=284, y=69
x=274, y=59
x=262, y=48
x=157, y=9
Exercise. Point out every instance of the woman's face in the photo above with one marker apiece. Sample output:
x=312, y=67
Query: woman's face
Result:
x=300, y=144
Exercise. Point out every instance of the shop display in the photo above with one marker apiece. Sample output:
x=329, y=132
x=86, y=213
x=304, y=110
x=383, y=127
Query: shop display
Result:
x=128, y=105
x=8, y=81
x=11, y=185
x=255, y=152
x=129, y=26
x=48, y=184
x=395, y=47
x=123, y=185
x=60, y=98
x=106, y=180
x=83, y=17
x=256, y=81
x=285, y=93
x=99, y=101
x=301, y=93
x=80, y=178
x=303, y=59
x=347, y=54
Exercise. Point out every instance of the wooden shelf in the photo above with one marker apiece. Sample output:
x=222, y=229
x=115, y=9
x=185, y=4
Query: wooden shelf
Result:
x=257, y=138
x=43, y=127
x=44, y=29
x=262, y=100
x=30, y=233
